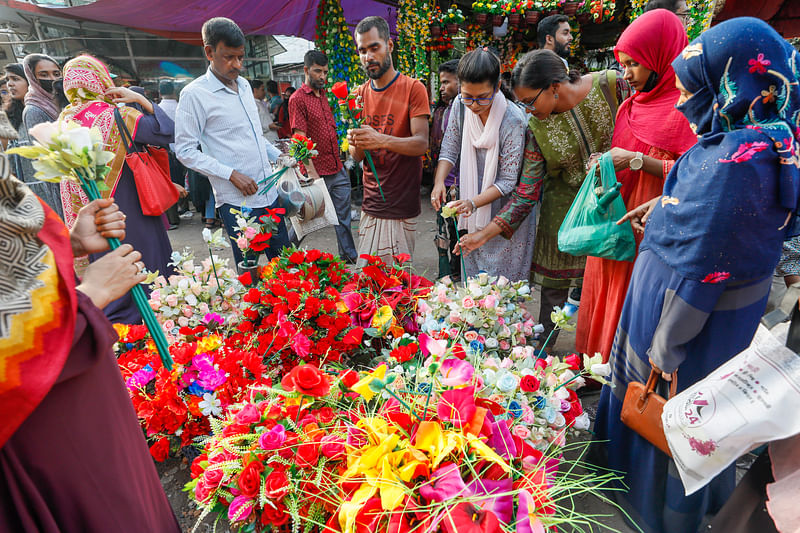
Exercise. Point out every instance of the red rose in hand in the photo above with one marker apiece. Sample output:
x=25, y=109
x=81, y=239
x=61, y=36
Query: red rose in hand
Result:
x=574, y=361
x=249, y=479
x=276, y=485
x=340, y=90
x=308, y=380
x=307, y=455
x=529, y=384
x=160, y=450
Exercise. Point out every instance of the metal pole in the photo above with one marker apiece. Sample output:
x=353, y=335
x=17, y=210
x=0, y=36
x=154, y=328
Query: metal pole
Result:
x=130, y=51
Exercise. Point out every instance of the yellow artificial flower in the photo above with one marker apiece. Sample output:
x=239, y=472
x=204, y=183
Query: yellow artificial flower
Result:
x=122, y=330
x=209, y=344
x=383, y=317
x=362, y=387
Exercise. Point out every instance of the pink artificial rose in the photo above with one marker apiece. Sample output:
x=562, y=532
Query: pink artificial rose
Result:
x=202, y=492
x=241, y=243
x=272, y=439
x=504, y=345
x=172, y=300
x=248, y=415
x=497, y=398
x=455, y=316
x=155, y=305
x=521, y=431
x=471, y=336
x=332, y=447
x=187, y=312
x=169, y=325
x=240, y=508
x=203, y=308
x=467, y=302
x=250, y=232
x=506, y=363
x=454, y=332
x=213, y=477
x=183, y=321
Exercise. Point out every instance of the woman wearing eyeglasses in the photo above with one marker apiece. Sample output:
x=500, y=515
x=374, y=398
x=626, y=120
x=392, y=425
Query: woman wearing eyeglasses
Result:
x=573, y=117
x=487, y=141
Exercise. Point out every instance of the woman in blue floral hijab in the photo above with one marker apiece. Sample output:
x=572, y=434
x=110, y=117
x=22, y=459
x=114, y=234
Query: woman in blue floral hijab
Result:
x=712, y=241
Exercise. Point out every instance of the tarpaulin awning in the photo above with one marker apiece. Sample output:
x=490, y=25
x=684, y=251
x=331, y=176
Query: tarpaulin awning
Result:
x=183, y=20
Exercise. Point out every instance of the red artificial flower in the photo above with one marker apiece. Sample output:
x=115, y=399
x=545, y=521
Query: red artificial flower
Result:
x=529, y=384
x=307, y=455
x=275, y=517
x=574, y=361
x=340, y=90
x=297, y=257
x=245, y=279
x=260, y=242
x=276, y=485
x=249, y=480
x=160, y=449
x=197, y=468
x=354, y=336
x=308, y=380
x=467, y=517
x=349, y=378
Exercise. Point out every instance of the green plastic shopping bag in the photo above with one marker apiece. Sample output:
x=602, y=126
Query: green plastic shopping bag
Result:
x=590, y=227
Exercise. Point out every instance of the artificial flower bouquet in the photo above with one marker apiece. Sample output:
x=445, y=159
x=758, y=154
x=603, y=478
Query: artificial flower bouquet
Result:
x=278, y=456
x=350, y=106
x=486, y=315
x=302, y=148
x=384, y=299
x=254, y=233
x=335, y=453
x=199, y=293
x=211, y=371
x=294, y=310
x=68, y=151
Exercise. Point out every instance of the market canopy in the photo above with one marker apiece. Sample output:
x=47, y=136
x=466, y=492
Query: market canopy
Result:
x=183, y=20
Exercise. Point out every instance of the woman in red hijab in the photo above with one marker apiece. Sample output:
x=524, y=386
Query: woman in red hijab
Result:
x=650, y=134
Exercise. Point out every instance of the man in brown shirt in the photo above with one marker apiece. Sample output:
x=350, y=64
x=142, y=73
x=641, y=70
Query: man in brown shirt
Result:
x=395, y=132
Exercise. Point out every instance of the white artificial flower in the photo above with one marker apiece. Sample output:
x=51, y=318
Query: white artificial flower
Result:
x=210, y=405
x=582, y=421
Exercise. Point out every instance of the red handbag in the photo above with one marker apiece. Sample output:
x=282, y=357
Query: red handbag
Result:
x=150, y=169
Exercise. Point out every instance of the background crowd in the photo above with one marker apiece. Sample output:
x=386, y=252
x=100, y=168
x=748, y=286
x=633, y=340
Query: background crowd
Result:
x=703, y=137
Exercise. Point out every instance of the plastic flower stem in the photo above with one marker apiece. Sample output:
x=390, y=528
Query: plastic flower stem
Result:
x=570, y=380
x=367, y=155
x=461, y=255
x=402, y=402
x=213, y=266
x=541, y=350
x=90, y=188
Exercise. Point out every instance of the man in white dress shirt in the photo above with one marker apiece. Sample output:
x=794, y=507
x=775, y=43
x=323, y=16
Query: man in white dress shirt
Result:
x=268, y=126
x=217, y=111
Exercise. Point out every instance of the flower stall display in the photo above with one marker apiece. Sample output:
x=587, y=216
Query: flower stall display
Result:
x=486, y=316
x=413, y=32
x=211, y=371
x=601, y=10
x=277, y=458
x=294, y=310
x=350, y=453
x=335, y=38
x=196, y=290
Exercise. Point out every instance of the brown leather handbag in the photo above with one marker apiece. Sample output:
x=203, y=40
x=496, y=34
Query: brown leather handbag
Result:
x=642, y=407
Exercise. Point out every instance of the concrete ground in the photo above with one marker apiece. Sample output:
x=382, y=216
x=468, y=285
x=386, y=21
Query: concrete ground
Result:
x=174, y=474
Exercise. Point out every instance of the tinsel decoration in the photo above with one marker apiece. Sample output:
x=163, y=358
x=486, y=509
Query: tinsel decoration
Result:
x=335, y=39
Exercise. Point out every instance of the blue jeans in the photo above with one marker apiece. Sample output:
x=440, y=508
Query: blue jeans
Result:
x=279, y=240
x=211, y=211
x=339, y=188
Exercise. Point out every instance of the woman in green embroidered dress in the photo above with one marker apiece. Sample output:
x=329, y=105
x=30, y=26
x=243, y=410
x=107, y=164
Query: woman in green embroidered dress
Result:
x=573, y=117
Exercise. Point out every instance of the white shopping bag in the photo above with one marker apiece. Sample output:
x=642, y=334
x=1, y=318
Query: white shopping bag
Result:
x=752, y=399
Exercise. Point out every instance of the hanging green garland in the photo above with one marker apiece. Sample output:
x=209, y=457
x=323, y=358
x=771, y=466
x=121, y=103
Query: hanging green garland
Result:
x=413, y=34
x=701, y=13
x=335, y=39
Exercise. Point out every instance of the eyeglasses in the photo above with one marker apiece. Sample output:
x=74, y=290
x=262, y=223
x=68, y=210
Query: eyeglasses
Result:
x=483, y=102
x=529, y=106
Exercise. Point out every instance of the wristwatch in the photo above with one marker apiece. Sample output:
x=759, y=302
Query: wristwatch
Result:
x=637, y=162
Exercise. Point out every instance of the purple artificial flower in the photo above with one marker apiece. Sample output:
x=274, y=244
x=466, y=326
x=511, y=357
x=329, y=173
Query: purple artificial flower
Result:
x=495, y=496
x=213, y=320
